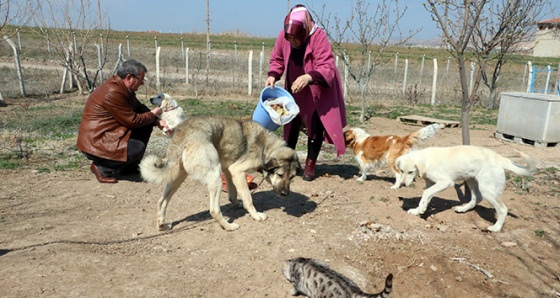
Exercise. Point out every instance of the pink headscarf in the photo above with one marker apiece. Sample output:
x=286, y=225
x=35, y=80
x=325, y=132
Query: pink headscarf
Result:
x=299, y=23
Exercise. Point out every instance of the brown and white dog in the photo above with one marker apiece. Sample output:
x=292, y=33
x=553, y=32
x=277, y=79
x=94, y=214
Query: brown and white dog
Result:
x=371, y=151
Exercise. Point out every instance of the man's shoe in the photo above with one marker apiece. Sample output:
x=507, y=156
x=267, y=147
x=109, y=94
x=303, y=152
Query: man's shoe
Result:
x=100, y=176
x=309, y=172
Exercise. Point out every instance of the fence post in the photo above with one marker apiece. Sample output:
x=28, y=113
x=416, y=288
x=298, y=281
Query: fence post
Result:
x=101, y=42
x=158, y=83
x=48, y=41
x=434, y=83
x=345, y=87
x=396, y=60
x=447, y=68
x=548, y=72
x=249, y=72
x=75, y=42
x=187, y=66
x=100, y=70
x=235, y=51
x=422, y=67
x=530, y=78
x=369, y=62
x=18, y=65
x=405, y=75
x=557, y=86
x=183, y=48
x=471, y=83
x=128, y=45
x=261, y=61
x=18, y=38
x=65, y=73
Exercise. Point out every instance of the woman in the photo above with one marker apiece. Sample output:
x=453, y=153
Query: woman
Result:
x=303, y=53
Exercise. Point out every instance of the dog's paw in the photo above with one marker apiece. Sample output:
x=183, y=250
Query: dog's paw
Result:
x=493, y=228
x=230, y=227
x=395, y=187
x=165, y=227
x=462, y=209
x=414, y=211
x=260, y=216
x=361, y=179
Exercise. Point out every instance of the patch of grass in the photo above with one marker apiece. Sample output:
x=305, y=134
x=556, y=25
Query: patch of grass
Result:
x=522, y=183
x=9, y=164
x=43, y=170
x=384, y=199
x=64, y=167
x=551, y=170
x=46, y=121
x=540, y=233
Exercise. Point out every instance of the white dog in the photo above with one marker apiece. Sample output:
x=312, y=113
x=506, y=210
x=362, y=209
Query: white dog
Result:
x=172, y=114
x=481, y=168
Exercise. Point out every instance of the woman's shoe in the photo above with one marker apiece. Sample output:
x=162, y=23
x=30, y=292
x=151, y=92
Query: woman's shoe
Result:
x=309, y=172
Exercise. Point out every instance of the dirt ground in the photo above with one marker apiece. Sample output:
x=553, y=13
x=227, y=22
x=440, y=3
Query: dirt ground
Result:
x=65, y=235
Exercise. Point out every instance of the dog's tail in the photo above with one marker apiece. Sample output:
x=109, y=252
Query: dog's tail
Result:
x=423, y=134
x=155, y=169
x=521, y=170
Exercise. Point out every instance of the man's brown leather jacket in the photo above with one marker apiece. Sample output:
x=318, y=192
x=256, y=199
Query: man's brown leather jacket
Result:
x=110, y=114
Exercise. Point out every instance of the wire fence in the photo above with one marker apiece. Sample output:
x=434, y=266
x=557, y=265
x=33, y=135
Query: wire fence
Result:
x=192, y=72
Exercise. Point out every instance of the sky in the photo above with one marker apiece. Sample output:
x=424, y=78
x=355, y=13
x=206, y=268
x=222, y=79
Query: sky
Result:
x=261, y=18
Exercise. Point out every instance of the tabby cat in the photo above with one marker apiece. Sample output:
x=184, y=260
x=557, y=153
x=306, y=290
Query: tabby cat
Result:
x=315, y=280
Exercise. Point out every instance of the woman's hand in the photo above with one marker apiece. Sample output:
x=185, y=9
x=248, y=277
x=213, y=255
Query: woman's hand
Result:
x=301, y=82
x=270, y=82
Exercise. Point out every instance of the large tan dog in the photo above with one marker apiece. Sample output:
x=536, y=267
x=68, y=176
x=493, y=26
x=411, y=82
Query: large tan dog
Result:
x=204, y=147
x=372, y=151
x=482, y=169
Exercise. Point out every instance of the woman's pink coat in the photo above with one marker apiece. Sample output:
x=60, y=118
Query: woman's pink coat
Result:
x=329, y=102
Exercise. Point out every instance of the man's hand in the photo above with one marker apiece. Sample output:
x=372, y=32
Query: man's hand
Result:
x=163, y=126
x=157, y=111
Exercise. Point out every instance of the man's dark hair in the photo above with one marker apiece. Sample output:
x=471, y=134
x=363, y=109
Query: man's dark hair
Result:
x=132, y=67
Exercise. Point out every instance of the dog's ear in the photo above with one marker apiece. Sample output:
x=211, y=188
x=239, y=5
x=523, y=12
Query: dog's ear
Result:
x=348, y=136
x=270, y=165
x=420, y=168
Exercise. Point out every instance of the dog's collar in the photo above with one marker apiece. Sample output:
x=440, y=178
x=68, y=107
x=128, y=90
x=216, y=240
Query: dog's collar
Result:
x=171, y=109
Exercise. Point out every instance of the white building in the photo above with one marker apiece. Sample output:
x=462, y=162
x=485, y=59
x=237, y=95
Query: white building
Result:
x=547, y=39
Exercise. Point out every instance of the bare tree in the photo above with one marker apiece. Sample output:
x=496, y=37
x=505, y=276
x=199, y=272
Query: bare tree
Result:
x=373, y=29
x=457, y=26
x=11, y=12
x=504, y=28
x=71, y=26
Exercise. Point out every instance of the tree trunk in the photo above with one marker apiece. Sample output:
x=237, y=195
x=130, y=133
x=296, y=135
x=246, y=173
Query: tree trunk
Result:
x=363, y=99
x=465, y=106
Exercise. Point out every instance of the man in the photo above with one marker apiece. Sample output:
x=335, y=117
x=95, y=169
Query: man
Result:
x=116, y=126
